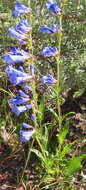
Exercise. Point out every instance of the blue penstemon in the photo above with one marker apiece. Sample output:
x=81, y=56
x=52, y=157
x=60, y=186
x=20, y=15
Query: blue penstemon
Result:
x=50, y=51
x=21, y=103
x=52, y=30
x=17, y=56
x=53, y=7
x=23, y=26
x=17, y=34
x=26, y=134
x=18, y=109
x=48, y=80
x=20, y=9
x=20, y=99
x=21, y=30
x=17, y=77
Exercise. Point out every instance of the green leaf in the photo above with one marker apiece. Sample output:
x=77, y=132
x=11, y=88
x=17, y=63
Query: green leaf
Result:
x=38, y=154
x=45, y=139
x=55, y=114
x=68, y=114
x=63, y=134
x=65, y=150
x=74, y=164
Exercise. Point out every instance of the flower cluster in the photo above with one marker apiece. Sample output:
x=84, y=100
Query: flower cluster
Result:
x=21, y=31
x=17, y=74
x=50, y=51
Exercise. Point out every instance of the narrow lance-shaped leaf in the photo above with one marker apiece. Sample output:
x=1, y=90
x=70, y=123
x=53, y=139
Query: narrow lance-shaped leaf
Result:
x=65, y=150
x=45, y=139
x=63, y=134
x=38, y=154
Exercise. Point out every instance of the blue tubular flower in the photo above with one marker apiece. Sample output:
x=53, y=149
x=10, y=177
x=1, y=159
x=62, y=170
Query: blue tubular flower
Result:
x=50, y=51
x=17, y=56
x=21, y=99
x=16, y=76
x=19, y=109
x=20, y=31
x=17, y=34
x=26, y=135
x=20, y=9
x=18, y=100
x=45, y=29
x=27, y=126
x=23, y=27
x=48, y=80
x=53, y=7
x=53, y=29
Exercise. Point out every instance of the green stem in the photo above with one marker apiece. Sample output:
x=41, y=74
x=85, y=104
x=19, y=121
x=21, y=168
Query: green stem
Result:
x=58, y=60
x=30, y=46
x=28, y=157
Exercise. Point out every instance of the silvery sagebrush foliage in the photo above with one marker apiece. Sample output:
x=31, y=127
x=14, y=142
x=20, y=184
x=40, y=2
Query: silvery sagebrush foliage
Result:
x=17, y=74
